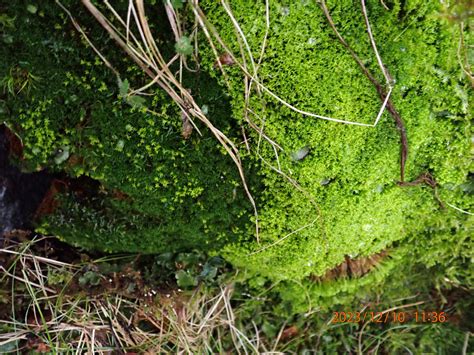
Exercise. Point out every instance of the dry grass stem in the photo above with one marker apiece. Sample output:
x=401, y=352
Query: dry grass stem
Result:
x=380, y=314
x=79, y=323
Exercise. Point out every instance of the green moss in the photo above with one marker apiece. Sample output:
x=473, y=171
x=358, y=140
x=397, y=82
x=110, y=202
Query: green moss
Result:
x=175, y=194
x=185, y=194
x=350, y=172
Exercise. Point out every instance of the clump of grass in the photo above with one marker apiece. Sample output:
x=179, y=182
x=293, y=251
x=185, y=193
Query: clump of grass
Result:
x=54, y=306
x=18, y=80
x=50, y=313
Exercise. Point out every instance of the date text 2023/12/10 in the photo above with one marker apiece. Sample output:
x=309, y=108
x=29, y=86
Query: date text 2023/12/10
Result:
x=390, y=317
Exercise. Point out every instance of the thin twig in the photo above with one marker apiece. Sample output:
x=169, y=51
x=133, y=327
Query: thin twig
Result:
x=458, y=209
x=465, y=65
x=283, y=238
x=80, y=30
x=384, y=96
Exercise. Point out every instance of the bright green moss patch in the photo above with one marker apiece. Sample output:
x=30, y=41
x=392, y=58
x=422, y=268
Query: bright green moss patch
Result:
x=351, y=172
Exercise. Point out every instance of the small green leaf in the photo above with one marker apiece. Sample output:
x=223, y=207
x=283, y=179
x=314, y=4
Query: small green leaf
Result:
x=184, y=46
x=119, y=146
x=136, y=101
x=31, y=9
x=177, y=4
x=62, y=155
x=123, y=87
x=7, y=21
x=188, y=259
x=131, y=288
x=269, y=329
x=91, y=278
x=82, y=113
x=9, y=346
x=7, y=39
x=185, y=280
x=208, y=272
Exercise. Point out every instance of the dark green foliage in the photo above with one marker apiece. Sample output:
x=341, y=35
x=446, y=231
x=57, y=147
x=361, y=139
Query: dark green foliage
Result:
x=160, y=192
x=183, y=46
x=90, y=278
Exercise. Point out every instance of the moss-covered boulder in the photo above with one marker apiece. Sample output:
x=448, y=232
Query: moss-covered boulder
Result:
x=349, y=202
x=324, y=190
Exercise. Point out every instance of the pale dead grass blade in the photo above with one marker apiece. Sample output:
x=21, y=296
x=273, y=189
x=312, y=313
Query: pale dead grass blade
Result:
x=379, y=315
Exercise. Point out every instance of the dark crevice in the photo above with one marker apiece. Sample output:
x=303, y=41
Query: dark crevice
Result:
x=24, y=197
x=20, y=193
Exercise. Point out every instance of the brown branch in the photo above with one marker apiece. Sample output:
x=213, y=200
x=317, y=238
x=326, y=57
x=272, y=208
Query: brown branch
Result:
x=427, y=179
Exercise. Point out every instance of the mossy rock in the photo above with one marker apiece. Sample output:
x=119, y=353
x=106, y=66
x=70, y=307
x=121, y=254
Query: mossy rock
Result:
x=159, y=192
x=351, y=172
x=186, y=194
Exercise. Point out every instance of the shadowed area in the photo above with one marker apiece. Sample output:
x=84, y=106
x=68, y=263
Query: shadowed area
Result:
x=20, y=193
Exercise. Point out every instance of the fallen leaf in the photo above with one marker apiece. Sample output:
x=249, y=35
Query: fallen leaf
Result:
x=224, y=59
x=289, y=332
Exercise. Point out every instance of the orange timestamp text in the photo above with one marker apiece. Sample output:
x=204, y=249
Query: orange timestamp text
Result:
x=390, y=317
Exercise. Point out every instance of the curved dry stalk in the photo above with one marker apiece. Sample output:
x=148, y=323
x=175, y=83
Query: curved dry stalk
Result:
x=140, y=24
x=173, y=21
x=240, y=32
x=155, y=79
x=283, y=238
x=248, y=86
x=139, y=51
x=384, y=70
x=157, y=69
x=213, y=46
x=384, y=5
x=241, y=36
x=267, y=29
x=459, y=209
x=464, y=62
x=80, y=30
x=176, y=28
x=126, y=25
x=248, y=89
x=261, y=134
